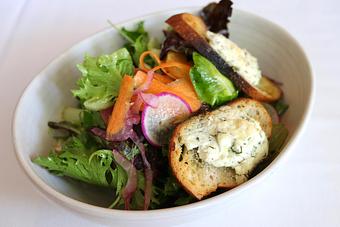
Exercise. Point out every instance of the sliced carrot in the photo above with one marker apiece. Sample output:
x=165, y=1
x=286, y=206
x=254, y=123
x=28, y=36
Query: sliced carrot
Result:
x=157, y=87
x=185, y=68
x=194, y=103
x=144, y=55
x=176, y=65
x=140, y=76
x=177, y=72
x=184, y=85
x=163, y=78
x=121, y=106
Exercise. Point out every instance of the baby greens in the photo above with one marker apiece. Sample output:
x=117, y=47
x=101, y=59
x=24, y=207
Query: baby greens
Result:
x=138, y=41
x=74, y=161
x=79, y=160
x=82, y=154
x=101, y=76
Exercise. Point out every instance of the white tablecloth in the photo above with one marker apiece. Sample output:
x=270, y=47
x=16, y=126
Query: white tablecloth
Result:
x=303, y=191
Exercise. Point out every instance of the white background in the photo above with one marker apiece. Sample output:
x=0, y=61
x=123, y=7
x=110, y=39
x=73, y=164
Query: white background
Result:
x=303, y=191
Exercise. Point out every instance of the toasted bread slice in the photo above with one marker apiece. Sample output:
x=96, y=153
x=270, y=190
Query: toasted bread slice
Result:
x=198, y=177
x=192, y=29
x=255, y=110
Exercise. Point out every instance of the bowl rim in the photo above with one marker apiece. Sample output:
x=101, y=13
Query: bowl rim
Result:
x=58, y=197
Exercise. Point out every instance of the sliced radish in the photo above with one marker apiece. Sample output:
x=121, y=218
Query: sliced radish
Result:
x=158, y=123
x=149, y=99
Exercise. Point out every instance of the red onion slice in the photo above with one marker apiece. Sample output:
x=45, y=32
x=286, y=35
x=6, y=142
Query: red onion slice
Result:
x=147, y=171
x=132, y=119
x=136, y=105
x=131, y=185
x=123, y=135
x=126, y=133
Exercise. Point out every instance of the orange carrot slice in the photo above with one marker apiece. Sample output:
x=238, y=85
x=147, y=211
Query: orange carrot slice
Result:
x=176, y=66
x=163, y=78
x=177, y=72
x=184, y=85
x=121, y=106
x=144, y=55
x=157, y=87
x=164, y=66
x=140, y=77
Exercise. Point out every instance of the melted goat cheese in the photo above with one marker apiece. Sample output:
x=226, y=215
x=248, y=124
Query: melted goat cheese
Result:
x=234, y=140
x=239, y=59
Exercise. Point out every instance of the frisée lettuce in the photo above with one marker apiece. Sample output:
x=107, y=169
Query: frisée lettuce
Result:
x=99, y=84
x=103, y=141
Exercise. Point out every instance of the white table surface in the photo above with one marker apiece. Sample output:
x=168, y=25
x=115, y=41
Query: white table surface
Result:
x=303, y=191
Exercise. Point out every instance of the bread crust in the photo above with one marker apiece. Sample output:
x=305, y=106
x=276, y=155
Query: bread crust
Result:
x=255, y=110
x=192, y=29
x=180, y=170
x=201, y=179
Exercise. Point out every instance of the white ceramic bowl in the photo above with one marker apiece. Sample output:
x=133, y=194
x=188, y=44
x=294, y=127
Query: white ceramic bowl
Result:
x=279, y=55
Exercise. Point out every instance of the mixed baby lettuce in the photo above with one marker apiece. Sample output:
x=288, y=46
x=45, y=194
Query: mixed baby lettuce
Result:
x=101, y=76
x=138, y=41
x=81, y=155
x=99, y=85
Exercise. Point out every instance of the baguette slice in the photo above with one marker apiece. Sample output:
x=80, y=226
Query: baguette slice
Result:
x=200, y=178
x=255, y=110
x=192, y=29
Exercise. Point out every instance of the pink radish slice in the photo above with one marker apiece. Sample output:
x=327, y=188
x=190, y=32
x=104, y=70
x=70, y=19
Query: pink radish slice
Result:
x=149, y=99
x=158, y=123
x=272, y=112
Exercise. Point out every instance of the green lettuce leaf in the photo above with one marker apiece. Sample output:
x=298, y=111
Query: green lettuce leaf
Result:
x=75, y=162
x=98, y=167
x=101, y=77
x=90, y=119
x=133, y=35
x=138, y=42
x=211, y=86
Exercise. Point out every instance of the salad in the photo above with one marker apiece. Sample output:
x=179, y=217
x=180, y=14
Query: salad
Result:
x=130, y=102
